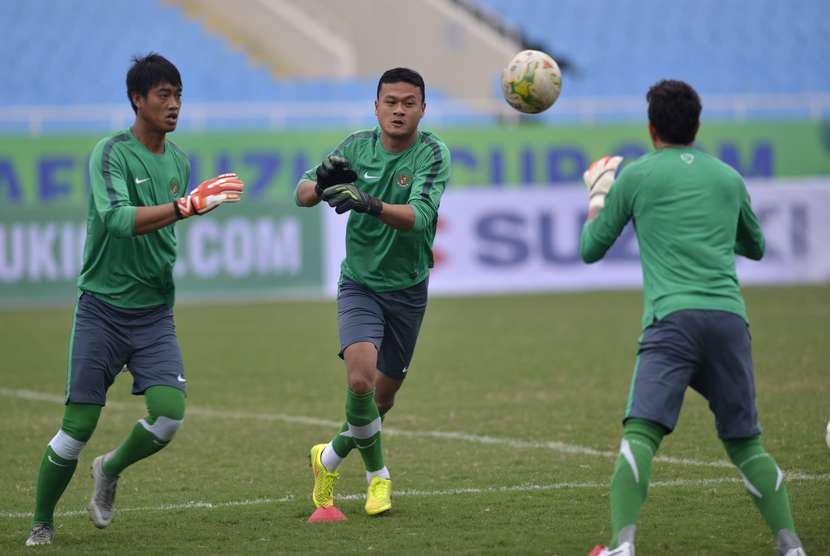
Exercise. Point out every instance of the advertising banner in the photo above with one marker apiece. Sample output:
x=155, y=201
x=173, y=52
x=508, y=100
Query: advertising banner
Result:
x=50, y=170
x=250, y=250
x=488, y=241
x=511, y=241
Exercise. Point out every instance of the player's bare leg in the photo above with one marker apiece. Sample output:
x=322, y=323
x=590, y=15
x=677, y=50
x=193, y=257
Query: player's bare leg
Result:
x=385, y=390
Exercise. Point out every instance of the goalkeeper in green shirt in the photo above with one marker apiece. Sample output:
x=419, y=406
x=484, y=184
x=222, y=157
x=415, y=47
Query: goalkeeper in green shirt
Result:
x=692, y=215
x=124, y=312
x=391, y=179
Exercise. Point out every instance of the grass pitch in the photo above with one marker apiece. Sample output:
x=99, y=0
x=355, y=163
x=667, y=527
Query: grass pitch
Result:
x=502, y=440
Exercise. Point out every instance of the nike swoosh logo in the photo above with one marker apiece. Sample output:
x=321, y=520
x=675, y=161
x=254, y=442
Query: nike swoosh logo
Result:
x=368, y=177
x=139, y=182
x=56, y=463
x=180, y=378
x=374, y=441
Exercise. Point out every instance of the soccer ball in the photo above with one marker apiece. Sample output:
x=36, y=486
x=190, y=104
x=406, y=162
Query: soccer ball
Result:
x=827, y=435
x=531, y=82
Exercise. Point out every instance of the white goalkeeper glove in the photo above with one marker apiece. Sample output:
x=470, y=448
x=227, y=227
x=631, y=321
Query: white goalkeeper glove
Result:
x=599, y=177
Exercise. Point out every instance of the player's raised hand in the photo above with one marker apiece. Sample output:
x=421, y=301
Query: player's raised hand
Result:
x=334, y=170
x=209, y=194
x=348, y=196
x=599, y=177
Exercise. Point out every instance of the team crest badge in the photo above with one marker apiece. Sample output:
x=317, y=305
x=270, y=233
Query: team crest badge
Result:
x=174, y=187
x=404, y=179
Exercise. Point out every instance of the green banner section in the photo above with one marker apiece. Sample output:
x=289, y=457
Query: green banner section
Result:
x=248, y=250
x=53, y=169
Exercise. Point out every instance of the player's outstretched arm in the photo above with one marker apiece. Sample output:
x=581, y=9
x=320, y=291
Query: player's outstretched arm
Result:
x=348, y=196
x=150, y=219
x=208, y=195
x=605, y=221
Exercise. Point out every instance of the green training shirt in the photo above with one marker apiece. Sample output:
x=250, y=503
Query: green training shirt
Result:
x=119, y=267
x=377, y=255
x=691, y=214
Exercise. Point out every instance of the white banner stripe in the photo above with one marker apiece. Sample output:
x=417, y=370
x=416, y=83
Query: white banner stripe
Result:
x=204, y=505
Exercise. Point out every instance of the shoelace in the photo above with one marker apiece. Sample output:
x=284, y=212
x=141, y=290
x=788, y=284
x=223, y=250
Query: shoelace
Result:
x=380, y=489
x=41, y=532
x=328, y=483
x=107, y=491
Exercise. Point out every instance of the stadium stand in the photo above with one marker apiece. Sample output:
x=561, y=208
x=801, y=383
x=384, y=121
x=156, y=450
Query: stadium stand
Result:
x=66, y=61
x=74, y=54
x=52, y=41
x=720, y=46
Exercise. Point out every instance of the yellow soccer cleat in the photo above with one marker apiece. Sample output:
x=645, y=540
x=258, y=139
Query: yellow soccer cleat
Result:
x=379, y=496
x=324, y=480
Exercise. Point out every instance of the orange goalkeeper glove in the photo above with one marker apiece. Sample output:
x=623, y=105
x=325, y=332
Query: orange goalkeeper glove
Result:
x=209, y=194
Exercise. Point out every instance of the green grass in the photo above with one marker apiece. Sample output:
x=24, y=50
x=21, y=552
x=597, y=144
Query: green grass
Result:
x=534, y=369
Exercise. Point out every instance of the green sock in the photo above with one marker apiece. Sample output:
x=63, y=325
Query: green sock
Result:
x=166, y=408
x=343, y=444
x=55, y=473
x=364, y=428
x=632, y=473
x=77, y=426
x=139, y=444
x=764, y=481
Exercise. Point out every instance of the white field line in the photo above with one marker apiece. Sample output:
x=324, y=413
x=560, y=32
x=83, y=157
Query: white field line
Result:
x=168, y=507
x=460, y=436
x=423, y=493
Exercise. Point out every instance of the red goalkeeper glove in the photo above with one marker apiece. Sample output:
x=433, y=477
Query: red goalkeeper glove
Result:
x=209, y=194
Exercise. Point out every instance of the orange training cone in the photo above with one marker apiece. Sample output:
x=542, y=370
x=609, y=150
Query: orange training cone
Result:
x=326, y=514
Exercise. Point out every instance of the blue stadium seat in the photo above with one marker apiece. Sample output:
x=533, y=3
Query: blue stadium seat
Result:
x=77, y=52
x=720, y=46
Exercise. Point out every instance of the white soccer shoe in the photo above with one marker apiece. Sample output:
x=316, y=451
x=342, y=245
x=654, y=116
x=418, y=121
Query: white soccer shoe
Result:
x=102, y=503
x=42, y=533
x=625, y=549
x=788, y=544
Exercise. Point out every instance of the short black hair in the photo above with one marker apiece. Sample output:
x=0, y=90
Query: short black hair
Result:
x=396, y=75
x=674, y=111
x=147, y=72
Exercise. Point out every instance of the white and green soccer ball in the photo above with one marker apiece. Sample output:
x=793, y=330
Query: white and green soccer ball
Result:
x=827, y=435
x=531, y=82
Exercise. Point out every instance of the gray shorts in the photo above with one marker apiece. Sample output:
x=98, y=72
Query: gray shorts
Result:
x=390, y=320
x=711, y=351
x=105, y=338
